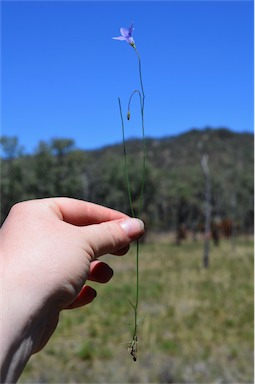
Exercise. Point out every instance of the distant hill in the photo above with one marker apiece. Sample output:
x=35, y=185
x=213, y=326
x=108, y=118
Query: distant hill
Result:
x=222, y=145
x=174, y=188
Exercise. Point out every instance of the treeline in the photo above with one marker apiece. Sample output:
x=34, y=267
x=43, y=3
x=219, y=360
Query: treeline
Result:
x=174, y=188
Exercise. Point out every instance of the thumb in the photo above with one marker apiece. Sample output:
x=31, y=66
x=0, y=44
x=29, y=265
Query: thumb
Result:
x=111, y=236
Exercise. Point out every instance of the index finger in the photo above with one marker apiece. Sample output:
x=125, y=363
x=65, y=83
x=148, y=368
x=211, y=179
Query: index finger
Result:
x=80, y=213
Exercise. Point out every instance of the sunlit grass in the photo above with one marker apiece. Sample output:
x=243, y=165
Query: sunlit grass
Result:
x=196, y=325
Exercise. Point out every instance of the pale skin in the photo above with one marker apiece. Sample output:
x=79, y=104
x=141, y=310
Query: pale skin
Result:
x=49, y=249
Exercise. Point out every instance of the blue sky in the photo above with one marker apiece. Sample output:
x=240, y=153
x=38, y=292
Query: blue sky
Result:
x=62, y=73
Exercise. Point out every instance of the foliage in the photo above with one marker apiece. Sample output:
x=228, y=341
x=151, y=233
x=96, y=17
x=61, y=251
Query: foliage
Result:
x=174, y=190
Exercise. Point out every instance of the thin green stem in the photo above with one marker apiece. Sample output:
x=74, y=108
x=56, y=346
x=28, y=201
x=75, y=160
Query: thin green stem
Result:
x=137, y=288
x=133, y=344
x=140, y=72
x=143, y=129
x=125, y=160
x=131, y=96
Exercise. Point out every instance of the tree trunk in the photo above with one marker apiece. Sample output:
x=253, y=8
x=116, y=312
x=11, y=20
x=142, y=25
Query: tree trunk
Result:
x=205, y=169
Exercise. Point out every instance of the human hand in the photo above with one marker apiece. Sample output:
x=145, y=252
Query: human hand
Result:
x=49, y=249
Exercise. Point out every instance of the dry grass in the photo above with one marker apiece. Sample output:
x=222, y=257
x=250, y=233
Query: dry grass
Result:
x=196, y=324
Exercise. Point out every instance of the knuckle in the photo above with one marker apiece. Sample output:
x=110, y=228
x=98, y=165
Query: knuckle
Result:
x=18, y=207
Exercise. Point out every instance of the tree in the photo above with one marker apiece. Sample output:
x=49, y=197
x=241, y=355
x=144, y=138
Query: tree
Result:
x=12, y=174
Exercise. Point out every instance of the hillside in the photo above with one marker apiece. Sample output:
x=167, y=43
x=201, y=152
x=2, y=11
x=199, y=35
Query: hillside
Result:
x=174, y=188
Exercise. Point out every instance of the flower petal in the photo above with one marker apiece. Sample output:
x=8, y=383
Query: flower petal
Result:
x=120, y=38
x=131, y=29
x=130, y=40
x=124, y=32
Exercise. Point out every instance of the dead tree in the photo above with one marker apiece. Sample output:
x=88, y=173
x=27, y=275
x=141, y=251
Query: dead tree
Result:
x=205, y=169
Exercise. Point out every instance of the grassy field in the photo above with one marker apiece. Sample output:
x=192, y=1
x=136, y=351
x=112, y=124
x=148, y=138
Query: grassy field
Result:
x=196, y=324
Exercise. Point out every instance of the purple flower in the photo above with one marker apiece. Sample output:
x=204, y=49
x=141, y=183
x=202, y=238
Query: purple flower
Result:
x=126, y=34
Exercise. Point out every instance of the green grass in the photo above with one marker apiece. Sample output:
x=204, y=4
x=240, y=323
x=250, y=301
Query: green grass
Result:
x=196, y=325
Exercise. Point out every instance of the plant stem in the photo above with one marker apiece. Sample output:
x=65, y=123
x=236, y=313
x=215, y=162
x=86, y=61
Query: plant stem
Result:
x=133, y=344
x=125, y=160
x=143, y=130
x=137, y=289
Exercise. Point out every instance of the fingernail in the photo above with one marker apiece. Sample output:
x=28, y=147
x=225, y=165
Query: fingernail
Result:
x=133, y=227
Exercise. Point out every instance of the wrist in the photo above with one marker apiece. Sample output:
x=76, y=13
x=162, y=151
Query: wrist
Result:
x=18, y=323
x=16, y=341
